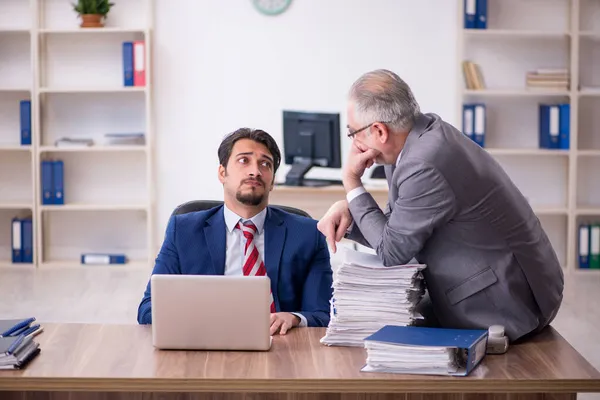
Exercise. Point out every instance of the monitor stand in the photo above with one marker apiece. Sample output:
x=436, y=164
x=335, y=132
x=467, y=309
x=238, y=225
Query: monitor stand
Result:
x=295, y=176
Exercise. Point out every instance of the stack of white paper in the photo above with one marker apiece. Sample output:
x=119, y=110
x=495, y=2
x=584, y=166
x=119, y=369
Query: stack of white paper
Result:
x=368, y=296
x=435, y=360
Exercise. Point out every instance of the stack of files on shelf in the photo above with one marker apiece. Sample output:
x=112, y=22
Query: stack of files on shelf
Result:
x=475, y=14
x=589, y=246
x=367, y=296
x=554, y=79
x=22, y=240
x=17, y=347
x=474, y=117
x=124, y=139
x=25, y=121
x=420, y=350
x=52, y=177
x=134, y=69
x=73, y=142
x=473, y=76
x=554, y=126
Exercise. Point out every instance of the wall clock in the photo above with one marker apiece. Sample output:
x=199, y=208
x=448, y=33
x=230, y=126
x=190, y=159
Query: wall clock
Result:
x=271, y=7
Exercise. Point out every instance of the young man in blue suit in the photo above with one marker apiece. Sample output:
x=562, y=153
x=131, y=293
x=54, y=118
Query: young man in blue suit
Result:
x=246, y=237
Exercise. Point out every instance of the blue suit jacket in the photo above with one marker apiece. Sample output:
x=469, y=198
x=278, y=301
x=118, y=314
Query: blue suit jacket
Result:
x=296, y=259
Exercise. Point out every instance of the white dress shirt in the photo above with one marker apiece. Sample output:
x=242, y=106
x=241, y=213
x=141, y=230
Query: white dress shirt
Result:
x=357, y=191
x=234, y=253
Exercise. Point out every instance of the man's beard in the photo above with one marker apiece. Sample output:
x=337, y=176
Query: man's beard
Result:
x=249, y=199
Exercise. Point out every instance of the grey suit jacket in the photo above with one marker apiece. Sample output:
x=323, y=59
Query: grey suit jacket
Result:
x=452, y=207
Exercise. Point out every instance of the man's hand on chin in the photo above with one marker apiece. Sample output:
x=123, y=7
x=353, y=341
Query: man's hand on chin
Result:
x=282, y=322
x=359, y=159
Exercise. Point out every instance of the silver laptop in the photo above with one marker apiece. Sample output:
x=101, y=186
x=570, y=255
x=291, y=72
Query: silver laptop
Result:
x=210, y=312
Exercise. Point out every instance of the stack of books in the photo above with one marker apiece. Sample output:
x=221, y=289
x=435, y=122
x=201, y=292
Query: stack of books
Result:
x=17, y=347
x=548, y=78
x=367, y=296
x=420, y=350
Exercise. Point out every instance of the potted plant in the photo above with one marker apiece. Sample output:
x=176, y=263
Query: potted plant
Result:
x=92, y=12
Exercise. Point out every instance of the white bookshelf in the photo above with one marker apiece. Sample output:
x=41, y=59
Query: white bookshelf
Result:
x=74, y=79
x=524, y=35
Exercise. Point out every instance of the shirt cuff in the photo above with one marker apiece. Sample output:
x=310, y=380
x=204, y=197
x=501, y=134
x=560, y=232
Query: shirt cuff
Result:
x=354, y=193
x=303, y=322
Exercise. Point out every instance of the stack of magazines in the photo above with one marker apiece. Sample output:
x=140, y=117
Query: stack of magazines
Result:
x=368, y=296
x=17, y=347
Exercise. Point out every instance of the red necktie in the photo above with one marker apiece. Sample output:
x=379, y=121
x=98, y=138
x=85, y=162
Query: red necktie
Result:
x=253, y=263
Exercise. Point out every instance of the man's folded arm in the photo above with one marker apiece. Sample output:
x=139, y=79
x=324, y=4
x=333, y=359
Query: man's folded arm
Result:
x=425, y=200
x=167, y=262
x=354, y=232
x=318, y=289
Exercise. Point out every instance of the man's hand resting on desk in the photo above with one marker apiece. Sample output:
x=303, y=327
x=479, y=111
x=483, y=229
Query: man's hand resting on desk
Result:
x=335, y=223
x=283, y=322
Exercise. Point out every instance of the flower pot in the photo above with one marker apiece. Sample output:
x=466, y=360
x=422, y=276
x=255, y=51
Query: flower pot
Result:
x=91, y=21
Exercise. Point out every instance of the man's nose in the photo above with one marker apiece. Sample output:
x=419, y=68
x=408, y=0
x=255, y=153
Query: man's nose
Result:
x=255, y=169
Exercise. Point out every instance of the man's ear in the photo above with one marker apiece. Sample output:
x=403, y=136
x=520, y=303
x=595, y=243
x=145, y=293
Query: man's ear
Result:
x=382, y=132
x=222, y=174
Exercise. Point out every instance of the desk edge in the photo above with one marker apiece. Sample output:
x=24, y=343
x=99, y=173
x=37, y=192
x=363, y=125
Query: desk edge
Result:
x=452, y=385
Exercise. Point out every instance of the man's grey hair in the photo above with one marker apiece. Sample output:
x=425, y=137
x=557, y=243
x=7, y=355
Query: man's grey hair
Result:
x=381, y=96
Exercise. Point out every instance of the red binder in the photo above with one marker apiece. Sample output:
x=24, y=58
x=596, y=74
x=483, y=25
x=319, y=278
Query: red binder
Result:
x=139, y=63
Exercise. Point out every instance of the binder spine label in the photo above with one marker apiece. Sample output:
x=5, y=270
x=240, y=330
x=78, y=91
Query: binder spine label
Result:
x=479, y=128
x=468, y=121
x=584, y=241
x=17, y=245
x=554, y=126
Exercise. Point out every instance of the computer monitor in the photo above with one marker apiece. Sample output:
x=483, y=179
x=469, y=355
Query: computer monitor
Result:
x=310, y=139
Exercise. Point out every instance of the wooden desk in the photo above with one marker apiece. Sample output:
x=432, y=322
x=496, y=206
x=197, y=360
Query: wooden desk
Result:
x=316, y=201
x=118, y=362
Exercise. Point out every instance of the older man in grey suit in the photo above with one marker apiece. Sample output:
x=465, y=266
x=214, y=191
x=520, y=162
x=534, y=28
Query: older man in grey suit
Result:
x=452, y=207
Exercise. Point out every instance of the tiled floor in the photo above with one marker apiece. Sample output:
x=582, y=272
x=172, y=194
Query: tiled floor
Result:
x=111, y=295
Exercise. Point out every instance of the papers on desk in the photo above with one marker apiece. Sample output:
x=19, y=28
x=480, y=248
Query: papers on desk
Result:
x=368, y=296
x=17, y=347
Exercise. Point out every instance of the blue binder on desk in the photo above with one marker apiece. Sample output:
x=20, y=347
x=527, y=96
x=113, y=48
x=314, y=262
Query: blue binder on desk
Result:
x=11, y=327
x=415, y=350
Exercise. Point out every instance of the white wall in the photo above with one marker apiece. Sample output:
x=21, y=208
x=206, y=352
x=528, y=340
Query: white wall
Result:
x=220, y=65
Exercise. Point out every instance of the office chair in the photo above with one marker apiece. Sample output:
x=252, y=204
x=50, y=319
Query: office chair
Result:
x=199, y=205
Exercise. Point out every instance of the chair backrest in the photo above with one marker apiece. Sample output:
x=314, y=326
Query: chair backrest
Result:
x=199, y=205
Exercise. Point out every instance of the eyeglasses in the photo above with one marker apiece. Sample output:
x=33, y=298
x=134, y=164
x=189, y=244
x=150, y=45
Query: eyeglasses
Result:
x=352, y=134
